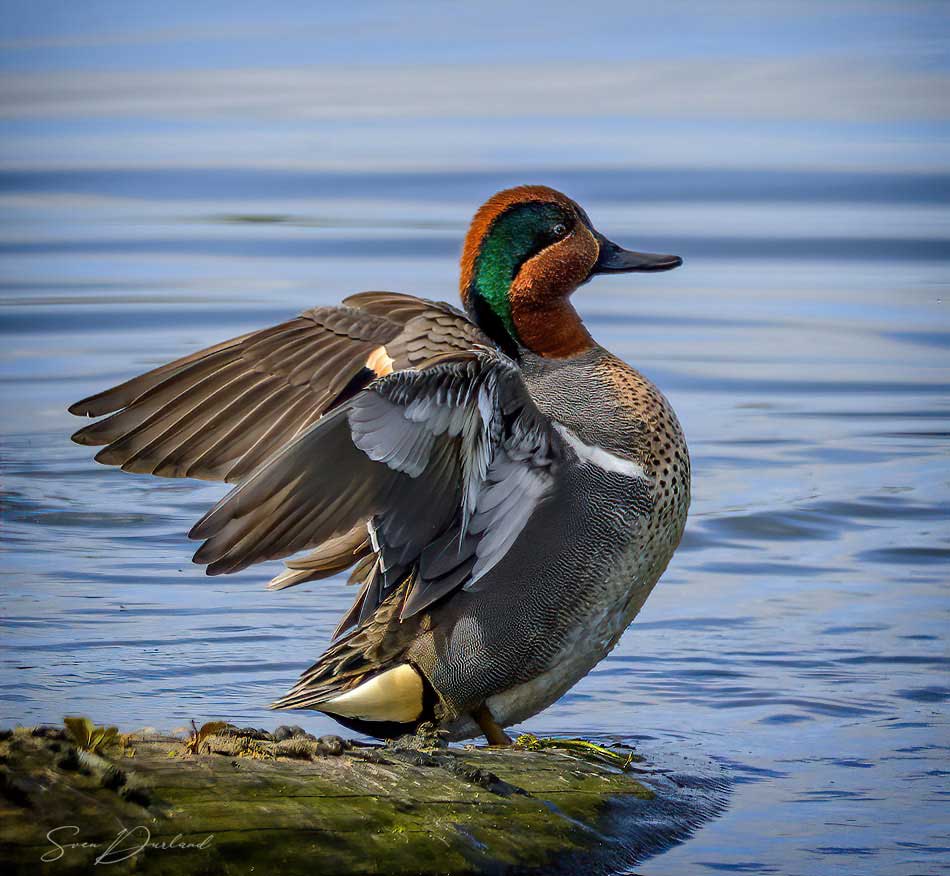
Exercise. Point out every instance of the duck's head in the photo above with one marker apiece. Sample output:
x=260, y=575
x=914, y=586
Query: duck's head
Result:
x=527, y=250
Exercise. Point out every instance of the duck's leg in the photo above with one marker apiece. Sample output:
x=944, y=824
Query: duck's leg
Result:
x=493, y=733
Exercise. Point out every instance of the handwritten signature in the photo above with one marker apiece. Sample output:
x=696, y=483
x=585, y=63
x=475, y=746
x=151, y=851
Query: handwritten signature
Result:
x=128, y=842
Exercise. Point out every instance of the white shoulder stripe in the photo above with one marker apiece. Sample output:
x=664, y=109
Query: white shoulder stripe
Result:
x=598, y=456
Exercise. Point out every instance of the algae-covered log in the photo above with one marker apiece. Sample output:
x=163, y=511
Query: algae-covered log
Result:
x=231, y=803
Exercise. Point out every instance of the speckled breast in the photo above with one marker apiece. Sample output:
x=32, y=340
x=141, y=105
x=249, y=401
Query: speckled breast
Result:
x=610, y=405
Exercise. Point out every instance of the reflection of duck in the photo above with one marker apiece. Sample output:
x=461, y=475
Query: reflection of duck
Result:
x=508, y=490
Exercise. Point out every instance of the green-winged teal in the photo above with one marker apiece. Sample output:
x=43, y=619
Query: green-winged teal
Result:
x=507, y=491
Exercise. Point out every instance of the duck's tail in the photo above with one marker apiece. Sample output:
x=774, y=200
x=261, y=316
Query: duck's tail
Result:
x=364, y=678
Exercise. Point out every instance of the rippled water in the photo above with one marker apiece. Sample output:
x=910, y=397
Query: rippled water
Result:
x=799, y=637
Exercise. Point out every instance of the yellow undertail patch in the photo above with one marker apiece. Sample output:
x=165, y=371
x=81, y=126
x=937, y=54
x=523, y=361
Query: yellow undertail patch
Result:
x=393, y=695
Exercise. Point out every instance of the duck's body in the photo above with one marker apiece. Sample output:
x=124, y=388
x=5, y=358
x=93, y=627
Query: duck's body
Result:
x=509, y=491
x=586, y=561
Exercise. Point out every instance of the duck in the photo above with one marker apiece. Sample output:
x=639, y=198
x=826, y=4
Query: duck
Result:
x=505, y=492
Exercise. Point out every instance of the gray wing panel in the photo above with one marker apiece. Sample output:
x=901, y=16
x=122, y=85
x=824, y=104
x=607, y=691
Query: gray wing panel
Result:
x=448, y=464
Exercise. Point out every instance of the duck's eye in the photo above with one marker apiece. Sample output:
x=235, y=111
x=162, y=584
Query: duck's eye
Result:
x=559, y=230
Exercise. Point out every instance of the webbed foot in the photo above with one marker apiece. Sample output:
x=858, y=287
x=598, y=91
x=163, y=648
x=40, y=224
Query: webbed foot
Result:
x=426, y=738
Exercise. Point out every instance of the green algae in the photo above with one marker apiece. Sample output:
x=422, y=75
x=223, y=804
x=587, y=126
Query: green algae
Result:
x=583, y=747
x=270, y=806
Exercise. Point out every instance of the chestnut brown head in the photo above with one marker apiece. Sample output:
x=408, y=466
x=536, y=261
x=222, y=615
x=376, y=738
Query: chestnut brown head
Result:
x=528, y=248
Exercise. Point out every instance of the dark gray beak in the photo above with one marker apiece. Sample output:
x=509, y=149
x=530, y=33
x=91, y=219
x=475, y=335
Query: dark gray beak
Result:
x=615, y=259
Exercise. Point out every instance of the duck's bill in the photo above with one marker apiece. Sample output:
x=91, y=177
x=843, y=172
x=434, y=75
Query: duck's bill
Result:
x=615, y=259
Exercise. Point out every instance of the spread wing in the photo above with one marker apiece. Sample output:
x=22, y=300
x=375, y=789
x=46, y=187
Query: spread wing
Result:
x=219, y=413
x=447, y=465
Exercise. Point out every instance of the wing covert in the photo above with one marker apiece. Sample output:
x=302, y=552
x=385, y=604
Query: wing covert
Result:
x=218, y=413
x=447, y=464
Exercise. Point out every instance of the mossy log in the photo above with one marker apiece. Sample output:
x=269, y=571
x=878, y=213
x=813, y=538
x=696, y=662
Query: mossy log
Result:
x=232, y=803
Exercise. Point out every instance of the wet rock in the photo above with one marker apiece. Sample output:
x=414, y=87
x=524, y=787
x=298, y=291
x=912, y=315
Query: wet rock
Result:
x=292, y=731
x=331, y=746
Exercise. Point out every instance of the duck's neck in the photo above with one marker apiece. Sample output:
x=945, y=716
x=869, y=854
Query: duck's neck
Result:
x=548, y=326
x=527, y=311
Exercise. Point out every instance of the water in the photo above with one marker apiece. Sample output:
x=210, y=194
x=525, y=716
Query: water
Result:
x=799, y=636
x=798, y=640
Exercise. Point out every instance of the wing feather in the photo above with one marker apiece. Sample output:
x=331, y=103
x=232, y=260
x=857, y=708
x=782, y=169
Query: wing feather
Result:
x=448, y=464
x=219, y=413
x=445, y=459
